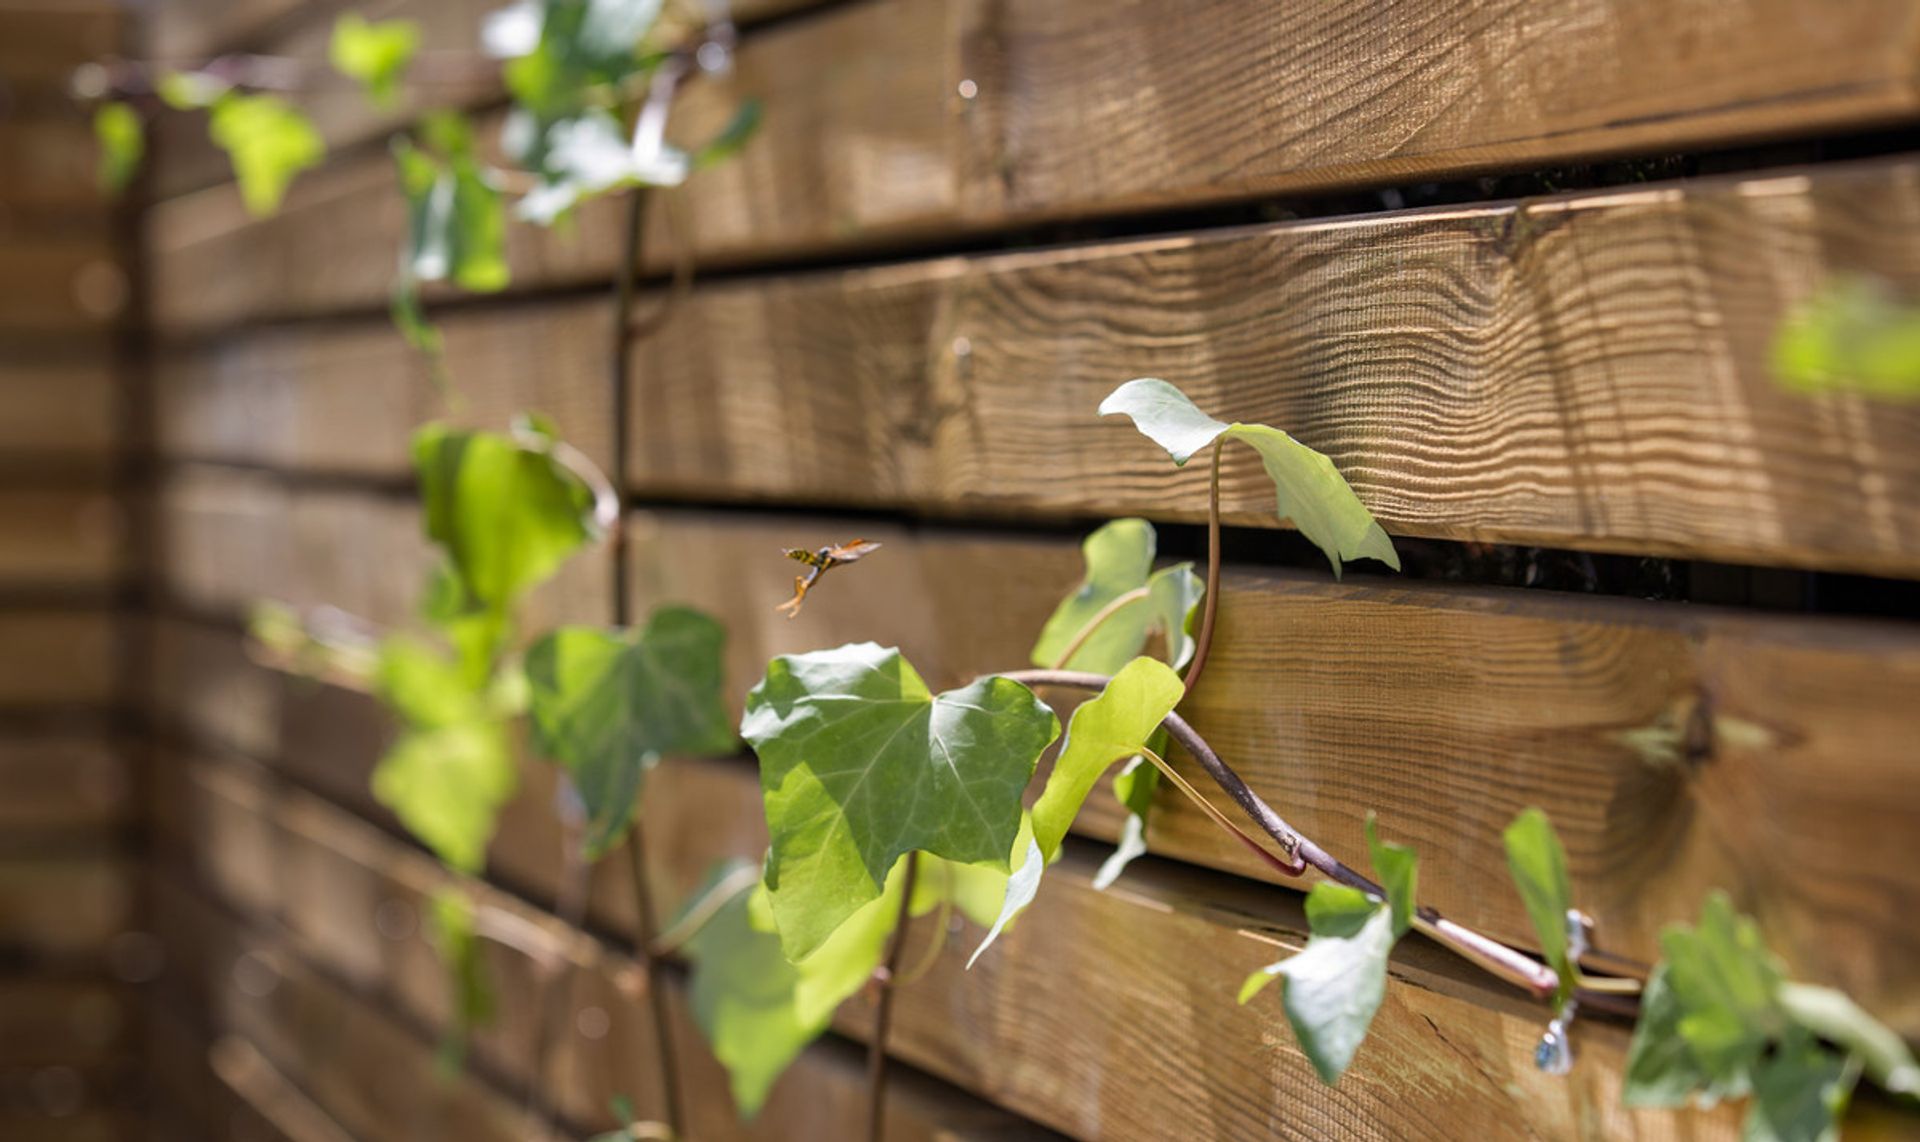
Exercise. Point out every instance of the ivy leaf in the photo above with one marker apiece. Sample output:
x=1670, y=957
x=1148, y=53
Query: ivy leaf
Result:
x=456, y=939
x=451, y=769
x=375, y=55
x=1310, y=490
x=123, y=143
x=582, y=46
x=1799, y=1094
x=608, y=705
x=506, y=513
x=1023, y=884
x=1854, y=335
x=1335, y=986
x=190, y=90
x=860, y=764
x=1661, y=1070
x=456, y=220
x=1119, y=559
x=744, y=999
x=1399, y=872
x=268, y=141
x=1539, y=868
x=1727, y=984
x=1835, y=1017
x=590, y=155
x=1134, y=787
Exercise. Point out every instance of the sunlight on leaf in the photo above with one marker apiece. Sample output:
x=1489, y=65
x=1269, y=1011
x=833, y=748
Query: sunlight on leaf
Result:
x=456, y=220
x=591, y=155
x=1310, y=490
x=1399, y=872
x=190, y=90
x=1854, y=336
x=123, y=143
x=860, y=764
x=374, y=55
x=269, y=143
x=1333, y=989
x=608, y=705
x=1539, y=868
x=1134, y=787
x=743, y=998
x=1119, y=561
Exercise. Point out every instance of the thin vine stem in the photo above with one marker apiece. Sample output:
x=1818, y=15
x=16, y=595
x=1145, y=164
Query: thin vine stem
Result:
x=703, y=910
x=887, y=977
x=1203, y=643
x=644, y=937
x=1490, y=955
x=1217, y=817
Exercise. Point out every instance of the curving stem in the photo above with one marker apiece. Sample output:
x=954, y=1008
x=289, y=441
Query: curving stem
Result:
x=1203, y=643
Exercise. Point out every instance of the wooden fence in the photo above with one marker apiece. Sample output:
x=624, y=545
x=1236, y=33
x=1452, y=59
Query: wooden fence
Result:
x=961, y=223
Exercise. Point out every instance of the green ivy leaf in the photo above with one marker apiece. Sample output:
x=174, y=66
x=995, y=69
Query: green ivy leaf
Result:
x=506, y=513
x=374, y=55
x=451, y=769
x=456, y=221
x=455, y=938
x=1134, y=787
x=744, y=999
x=1119, y=559
x=1539, y=868
x=608, y=705
x=1399, y=872
x=582, y=48
x=123, y=143
x=268, y=141
x=588, y=155
x=732, y=137
x=1854, y=335
x=1334, y=987
x=1310, y=490
x=860, y=764
x=1727, y=984
x=1835, y=1017
x=1799, y=1094
x=190, y=90
x=1661, y=1070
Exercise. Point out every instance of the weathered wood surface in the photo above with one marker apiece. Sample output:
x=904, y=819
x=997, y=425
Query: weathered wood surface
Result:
x=49, y=169
x=1678, y=749
x=1588, y=372
x=42, y=41
x=1162, y=1041
x=63, y=1021
x=58, y=284
x=63, y=907
x=71, y=779
x=57, y=407
x=1089, y=107
x=59, y=539
x=50, y=657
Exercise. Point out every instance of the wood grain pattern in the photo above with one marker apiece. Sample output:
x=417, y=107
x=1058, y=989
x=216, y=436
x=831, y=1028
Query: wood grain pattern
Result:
x=1588, y=372
x=1161, y=1040
x=72, y=779
x=59, y=539
x=1092, y=107
x=56, y=658
x=1678, y=749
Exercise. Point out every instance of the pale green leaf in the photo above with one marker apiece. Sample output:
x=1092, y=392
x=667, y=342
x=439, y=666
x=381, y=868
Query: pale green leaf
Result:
x=190, y=90
x=860, y=764
x=1134, y=787
x=589, y=155
x=581, y=51
x=451, y=769
x=743, y=997
x=123, y=143
x=1855, y=335
x=1799, y=1094
x=1310, y=491
x=1539, y=868
x=1111, y=727
x=607, y=705
x=1333, y=989
x=1661, y=1069
x=1174, y=595
x=1835, y=1017
x=1119, y=561
x=1023, y=884
x=455, y=938
x=268, y=141
x=374, y=55
x=456, y=220
x=506, y=513
x=1727, y=985
x=1338, y=909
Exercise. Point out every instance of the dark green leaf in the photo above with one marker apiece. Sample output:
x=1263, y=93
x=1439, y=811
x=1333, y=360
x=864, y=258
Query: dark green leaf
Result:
x=269, y=143
x=1310, y=490
x=506, y=514
x=608, y=705
x=123, y=143
x=1338, y=909
x=1798, y=1095
x=456, y=220
x=1333, y=989
x=375, y=55
x=860, y=764
x=1539, y=868
x=1399, y=872
x=1727, y=984
x=1661, y=1069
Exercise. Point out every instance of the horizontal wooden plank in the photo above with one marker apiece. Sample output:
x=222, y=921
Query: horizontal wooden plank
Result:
x=56, y=658
x=59, y=1021
x=49, y=169
x=1679, y=749
x=1118, y=1061
x=58, y=284
x=63, y=908
x=867, y=138
x=42, y=41
x=60, y=539
x=192, y=29
x=84, y=1125
x=64, y=780
x=57, y=407
x=1588, y=372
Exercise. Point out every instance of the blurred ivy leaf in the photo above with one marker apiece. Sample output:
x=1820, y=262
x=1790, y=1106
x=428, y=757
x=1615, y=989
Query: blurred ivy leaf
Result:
x=1661, y=1070
x=1110, y=727
x=731, y=139
x=581, y=46
x=1799, y=1094
x=1854, y=335
x=1119, y=560
x=1399, y=872
x=1335, y=985
x=268, y=141
x=451, y=769
x=505, y=512
x=456, y=220
x=860, y=764
x=607, y=705
x=374, y=55
x=744, y=996
x=190, y=90
x=123, y=144
x=1310, y=490
x=1835, y=1017
x=456, y=939
x=1539, y=868
x=1727, y=983
x=590, y=155
x=1134, y=787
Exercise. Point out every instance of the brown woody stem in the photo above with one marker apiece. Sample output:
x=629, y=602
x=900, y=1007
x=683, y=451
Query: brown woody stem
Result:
x=883, y=1006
